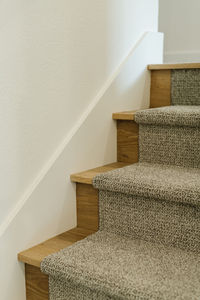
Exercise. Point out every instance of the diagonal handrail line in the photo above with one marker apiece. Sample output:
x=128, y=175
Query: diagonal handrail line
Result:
x=46, y=168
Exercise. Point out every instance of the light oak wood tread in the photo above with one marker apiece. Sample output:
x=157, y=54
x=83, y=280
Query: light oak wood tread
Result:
x=124, y=115
x=174, y=66
x=87, y=176
x=36, y=254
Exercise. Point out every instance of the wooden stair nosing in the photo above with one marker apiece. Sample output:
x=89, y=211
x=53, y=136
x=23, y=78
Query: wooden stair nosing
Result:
x=174, y=66
x=87, y=176
x=125, y=115
x=33, y=256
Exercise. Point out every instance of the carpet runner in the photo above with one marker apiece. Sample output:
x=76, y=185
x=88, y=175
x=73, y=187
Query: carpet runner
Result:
x=148, y=243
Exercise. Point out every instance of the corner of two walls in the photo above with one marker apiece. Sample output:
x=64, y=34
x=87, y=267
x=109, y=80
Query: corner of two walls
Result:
x=179, y=20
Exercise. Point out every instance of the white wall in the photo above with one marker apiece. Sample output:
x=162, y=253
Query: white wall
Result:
x=180, y=22
x=55, y=56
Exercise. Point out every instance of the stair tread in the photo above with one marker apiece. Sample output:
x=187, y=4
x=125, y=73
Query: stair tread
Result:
x=124, y=115
x=128, y=268
x=87, y=176
x=174, y=66
x=36, y=254
x=157, y=181
x=177, y=115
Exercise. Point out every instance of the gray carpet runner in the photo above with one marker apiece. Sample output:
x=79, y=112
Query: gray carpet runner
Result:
x=109, y=266
x=185, y=87
x=148, y=243
x=170, y=135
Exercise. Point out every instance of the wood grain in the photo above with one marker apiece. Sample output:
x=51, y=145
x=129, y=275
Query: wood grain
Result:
x=127, y=141
x=160, y=94
x=87, y=199
x=35, y=255
x=124, y=115
x=87, y=176
x=174, y=66
x=37, y=287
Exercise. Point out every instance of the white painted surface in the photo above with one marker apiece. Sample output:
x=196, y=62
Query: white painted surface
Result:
x=19, y=205
x=54, y=59
x=180, y=22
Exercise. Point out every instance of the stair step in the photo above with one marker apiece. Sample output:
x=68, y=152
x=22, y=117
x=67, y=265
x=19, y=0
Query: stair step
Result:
x=177, y=115
x=87, y=176
x=123, y=268
x=124, y=115
x=157, y=181
x=174, y=66
x=170, y=135
x=36, y=254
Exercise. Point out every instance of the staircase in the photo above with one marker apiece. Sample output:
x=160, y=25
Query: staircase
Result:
x=138, y=229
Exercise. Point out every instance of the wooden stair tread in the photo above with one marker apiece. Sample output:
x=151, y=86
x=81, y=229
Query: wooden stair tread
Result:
x=36, y=254
x=174, y=66
x=87, y=176
x=124, y=115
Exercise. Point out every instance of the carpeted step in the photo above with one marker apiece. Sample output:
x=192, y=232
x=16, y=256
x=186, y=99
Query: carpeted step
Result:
x=155, y=203
x=148, y=243
x=170, y=135
x=107, y=266
x=162, y=182
x=179, y=115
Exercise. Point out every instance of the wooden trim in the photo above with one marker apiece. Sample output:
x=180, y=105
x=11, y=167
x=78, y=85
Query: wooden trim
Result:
x=127, y=141
x=87, y=176
x=124, y=115
x=160, y=94
x=174, y=66
x=37, y=284
x=36, y=254
x=87, y=199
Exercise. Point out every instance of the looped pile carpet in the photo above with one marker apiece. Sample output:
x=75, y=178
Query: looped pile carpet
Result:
x=148, y=242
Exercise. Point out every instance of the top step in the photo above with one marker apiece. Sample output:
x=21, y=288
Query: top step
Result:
x=174, y=66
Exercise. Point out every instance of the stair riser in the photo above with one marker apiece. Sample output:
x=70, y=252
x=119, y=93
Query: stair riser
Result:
x=127, y=141
x=160, y=94
x=176, y=87
x=170, y=223
x=87, y=206
x=37, y=284
x=170, y=145
x=185, y=89
x=67, y=290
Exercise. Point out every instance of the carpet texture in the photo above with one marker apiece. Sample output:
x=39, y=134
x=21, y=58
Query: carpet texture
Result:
x=185, y=87
x=170, y=145
x=179, y=115
x=148, y=243
x=162, y=182
x=110, y=266
x=170, y=135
